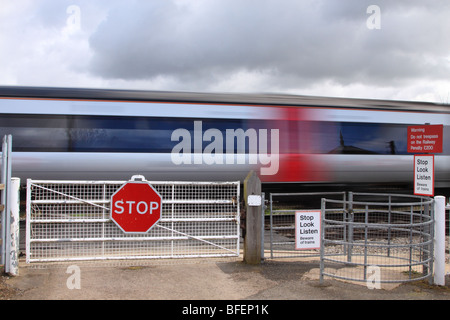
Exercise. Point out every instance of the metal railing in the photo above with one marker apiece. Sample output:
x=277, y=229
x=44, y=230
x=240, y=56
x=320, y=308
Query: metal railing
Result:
x=280, y=221
x=391, y=232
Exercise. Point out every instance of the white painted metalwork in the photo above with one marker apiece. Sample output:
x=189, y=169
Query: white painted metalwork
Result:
x=70, y=220
x=9, y=211
x=4, y=201
x=280, y=242
x=392, y=232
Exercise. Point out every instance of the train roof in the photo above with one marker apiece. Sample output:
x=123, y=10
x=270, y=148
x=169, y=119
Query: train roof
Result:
x=218, y=98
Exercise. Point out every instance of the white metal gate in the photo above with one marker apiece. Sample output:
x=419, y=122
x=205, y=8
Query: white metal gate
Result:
x=70, y=220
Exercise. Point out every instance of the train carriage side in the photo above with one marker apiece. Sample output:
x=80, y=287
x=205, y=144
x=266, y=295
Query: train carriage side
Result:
x=109, y=135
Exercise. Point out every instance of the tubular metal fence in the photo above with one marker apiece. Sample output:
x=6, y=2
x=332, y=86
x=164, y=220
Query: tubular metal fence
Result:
x=393, y=233
x=70, y=220
x=280, y=221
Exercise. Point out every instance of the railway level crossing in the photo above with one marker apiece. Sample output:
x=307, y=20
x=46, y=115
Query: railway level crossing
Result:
x=71, y=220
x=63, y=228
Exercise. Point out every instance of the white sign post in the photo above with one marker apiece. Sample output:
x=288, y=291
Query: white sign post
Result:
x=424, y=175
x=307, y=229
x=439, y=241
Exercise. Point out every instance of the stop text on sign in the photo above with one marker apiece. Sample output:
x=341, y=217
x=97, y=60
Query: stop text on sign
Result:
x=424, y=175
x=142, y=207
x=307, y=229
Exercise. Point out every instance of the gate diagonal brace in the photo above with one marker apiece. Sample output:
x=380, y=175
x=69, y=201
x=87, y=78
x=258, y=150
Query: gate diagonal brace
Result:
x=199, y=239
x=71, y=197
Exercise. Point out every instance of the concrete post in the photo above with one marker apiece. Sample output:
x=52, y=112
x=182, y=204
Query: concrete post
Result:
x=253, y=234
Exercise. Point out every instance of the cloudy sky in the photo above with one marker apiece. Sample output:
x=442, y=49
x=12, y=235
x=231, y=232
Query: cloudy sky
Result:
x=381, y=49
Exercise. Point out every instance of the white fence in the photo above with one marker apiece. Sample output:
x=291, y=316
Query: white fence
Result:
x=9, y=210
x=70, y=220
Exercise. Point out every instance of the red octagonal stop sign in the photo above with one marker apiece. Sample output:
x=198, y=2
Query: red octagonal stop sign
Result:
x=136, y=207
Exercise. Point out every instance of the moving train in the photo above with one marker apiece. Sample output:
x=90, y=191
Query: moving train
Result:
x=97, y=134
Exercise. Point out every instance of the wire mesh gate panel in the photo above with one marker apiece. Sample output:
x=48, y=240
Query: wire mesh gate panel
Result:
x=280, y=221
x=391, y=235
x=70, y=220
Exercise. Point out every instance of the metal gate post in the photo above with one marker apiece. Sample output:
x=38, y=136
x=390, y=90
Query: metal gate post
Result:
x=3, y=198
x=28, y=218
x=350, y=226
x=322, y=238
x=263, y=221
x=271, y=227
x=389, y=228
x=6, y=181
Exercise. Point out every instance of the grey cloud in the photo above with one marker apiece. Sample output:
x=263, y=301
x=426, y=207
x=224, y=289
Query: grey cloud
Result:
x=292, y=42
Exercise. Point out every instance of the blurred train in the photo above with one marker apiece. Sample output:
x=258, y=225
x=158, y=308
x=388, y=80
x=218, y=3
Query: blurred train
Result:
x=93, y=134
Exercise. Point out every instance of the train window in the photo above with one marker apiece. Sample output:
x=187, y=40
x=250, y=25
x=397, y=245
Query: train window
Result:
x=47, y=133
x=35, y=134
x=50, y=133
x=327, y=137
x=368, y=138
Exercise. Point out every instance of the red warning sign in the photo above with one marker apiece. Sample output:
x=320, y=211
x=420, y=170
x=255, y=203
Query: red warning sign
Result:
x=425, y=138
x=136, y=207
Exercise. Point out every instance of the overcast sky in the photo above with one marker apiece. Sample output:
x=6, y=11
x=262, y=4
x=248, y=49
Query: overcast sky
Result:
x=382, y=49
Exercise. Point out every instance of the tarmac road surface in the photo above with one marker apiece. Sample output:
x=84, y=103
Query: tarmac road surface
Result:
x=226, y=279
